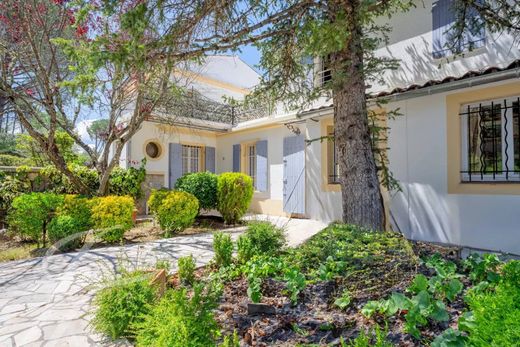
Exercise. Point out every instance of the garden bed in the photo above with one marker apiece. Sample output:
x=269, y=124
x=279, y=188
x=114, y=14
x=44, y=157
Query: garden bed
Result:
x=343, y=287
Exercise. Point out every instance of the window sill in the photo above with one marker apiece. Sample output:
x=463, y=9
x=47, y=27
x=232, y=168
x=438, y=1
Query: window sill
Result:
x=455, y=57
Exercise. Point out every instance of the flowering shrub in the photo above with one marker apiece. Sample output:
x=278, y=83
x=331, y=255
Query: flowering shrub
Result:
x=203, y=185
x=177, y=211
x=113, y=214
x=234, y=194
x=30, y=214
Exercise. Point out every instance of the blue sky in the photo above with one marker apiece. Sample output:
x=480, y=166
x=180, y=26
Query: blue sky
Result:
x=250, y=55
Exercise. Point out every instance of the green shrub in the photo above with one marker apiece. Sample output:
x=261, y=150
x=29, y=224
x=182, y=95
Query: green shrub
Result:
x=61, y=227
x=186, y=269
x=156, y=199
x=245, y=249
x=79, y=208
x=122, y=303
x=177, y=212
x=113, y=215
x=72, y=217
x=495, y=316
x=260, y=238
x=58, y=183
x=12, y=186
x=30, y=214
x=223, y=247
x=13, y=160
x=234, y=194
x=181, y=320
x=203, y=185
x=127, y=181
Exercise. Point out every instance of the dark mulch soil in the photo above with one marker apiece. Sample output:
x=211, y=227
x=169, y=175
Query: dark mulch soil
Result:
x=314, y=320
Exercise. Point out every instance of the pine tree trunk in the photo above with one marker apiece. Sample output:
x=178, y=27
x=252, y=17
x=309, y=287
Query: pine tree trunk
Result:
x=360, y=190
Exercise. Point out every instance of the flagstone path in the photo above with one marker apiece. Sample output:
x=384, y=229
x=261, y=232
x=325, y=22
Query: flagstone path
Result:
x=46, y=301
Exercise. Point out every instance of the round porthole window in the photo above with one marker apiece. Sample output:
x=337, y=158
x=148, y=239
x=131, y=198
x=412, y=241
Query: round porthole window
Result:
x=153, y=150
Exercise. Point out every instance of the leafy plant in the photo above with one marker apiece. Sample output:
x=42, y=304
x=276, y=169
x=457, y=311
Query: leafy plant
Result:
x=223, y=247
x=122, y=303
x=177, y=212
x=231, y=340
x=181, y=319
x=234, y=194
x=260, y=238
x=127, y=181
x=450, y=338
x=295, y=283
x=31, y=213
x=344, y=300
x=483, y=267
x=186, y=269
x=203, y=185
x=495, y=315
x=113, y=216
x=372, y=338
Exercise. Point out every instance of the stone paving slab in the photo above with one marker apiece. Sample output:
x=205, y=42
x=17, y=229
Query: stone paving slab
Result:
x=46, y=301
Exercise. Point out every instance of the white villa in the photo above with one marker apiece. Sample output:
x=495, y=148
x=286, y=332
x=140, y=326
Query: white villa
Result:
x=455, y=150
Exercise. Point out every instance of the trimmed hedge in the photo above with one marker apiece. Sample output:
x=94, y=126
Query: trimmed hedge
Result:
x=112, y=214
x=177, y=211
x=203, y=185
x=155, y=200
x=234, y=195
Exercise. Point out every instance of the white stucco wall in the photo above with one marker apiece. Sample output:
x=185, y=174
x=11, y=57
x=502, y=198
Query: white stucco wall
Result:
x=321, y=205
x=411, y=42
x=274, y=136
x=165, y=134
x=424, y=210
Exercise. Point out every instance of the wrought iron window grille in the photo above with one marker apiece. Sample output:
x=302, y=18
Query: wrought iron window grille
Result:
x=491, y=141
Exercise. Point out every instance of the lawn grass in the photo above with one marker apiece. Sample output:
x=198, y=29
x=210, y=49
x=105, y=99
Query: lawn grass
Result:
x=17, y=252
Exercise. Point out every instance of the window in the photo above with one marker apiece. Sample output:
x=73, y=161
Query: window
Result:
x=153, y=150
x=251, y=162
x=191, y=159
x=332, y=160
x=444, y=42
x=491, y=141
x=324, y=73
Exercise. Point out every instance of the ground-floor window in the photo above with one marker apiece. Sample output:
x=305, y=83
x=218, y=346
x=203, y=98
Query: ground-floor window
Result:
x=191, y=159
x=491, y=140
x=251, y=162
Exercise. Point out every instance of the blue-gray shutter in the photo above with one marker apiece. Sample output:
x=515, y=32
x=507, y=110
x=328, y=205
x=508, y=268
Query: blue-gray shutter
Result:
x=443, y=18
x=261, y=166
x=476, y=36
x=175, y=163
x=236, y=158
x=210, y=159
x=294, y=174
